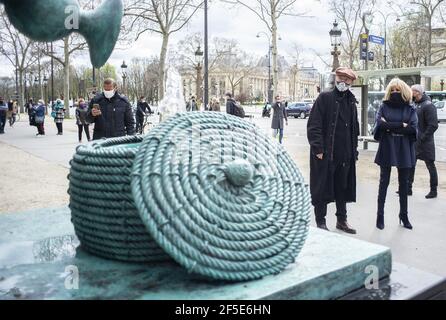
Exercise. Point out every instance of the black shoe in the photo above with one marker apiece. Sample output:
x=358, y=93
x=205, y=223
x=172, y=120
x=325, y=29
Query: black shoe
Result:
x=431, y=195
x=380, y=221
x=323, y=226
x=404, y=220
x=344, y=226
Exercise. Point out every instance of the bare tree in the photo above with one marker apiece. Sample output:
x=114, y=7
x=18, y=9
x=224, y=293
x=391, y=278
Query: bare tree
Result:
x=269, y=12
x=349, y=15
x=16, y=48
x=429, y=9
x=164, y=17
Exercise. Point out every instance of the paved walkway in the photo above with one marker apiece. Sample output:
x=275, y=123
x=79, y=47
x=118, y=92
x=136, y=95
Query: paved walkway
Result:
x=423, y=248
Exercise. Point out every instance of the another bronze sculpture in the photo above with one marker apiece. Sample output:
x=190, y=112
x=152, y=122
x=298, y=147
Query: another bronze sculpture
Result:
x=51, y=20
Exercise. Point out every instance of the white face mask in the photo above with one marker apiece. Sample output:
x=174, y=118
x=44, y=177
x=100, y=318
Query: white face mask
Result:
x=109, y=94
x=342, y=86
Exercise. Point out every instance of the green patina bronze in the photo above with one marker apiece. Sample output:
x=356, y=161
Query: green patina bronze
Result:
x=51, y=20
x=209, y=190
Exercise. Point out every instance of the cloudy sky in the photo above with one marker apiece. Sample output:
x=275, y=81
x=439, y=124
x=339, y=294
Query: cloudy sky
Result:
x=225, y=21
x=311, y=33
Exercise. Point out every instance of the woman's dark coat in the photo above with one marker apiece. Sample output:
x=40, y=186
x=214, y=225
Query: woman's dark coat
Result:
x=321, y=130
x=427, y=125
x=279, y=115
x=396, y=143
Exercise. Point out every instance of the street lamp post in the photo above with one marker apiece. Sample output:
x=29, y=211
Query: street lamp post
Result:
x=270, y=47
x=45, y=85
x=206, y=57
x=385, y=17
x=124, y=76
x=335, y=35
x=36, y=82
x=198, y=60
x=366, y=29
x=442, y=84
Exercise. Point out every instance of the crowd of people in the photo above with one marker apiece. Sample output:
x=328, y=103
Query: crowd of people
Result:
x=405, y=127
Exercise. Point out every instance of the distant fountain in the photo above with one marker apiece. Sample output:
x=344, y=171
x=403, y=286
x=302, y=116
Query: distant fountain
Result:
x=173, y=101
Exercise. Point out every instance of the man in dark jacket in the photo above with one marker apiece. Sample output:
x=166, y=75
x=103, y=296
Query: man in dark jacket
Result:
x=141, y=110
x=333, y=131
x=279, y=115
x=3, y=111
x=111, y=113
x=230, y=104
x=425, y=146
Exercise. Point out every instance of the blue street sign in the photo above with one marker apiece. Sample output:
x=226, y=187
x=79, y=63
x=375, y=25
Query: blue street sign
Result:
x=376, y=39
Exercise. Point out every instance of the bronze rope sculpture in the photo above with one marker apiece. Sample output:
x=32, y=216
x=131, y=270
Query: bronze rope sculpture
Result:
x=205, y=189
x=51, y=20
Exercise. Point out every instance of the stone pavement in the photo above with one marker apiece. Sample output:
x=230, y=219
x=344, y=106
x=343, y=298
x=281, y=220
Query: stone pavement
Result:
x=422, y=247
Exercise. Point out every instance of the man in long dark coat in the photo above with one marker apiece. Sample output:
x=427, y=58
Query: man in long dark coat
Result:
x=333, y=131
x=425, y=146
x=279, y=115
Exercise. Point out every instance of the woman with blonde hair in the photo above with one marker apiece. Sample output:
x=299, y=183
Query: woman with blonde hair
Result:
x=396, y=132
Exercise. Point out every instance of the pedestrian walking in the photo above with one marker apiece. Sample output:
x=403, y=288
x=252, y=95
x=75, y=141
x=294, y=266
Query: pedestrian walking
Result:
x=231, y=105
x=142, y=109
x=29, y=107
x=192, y=105
x=111, y=113
x=39, y=117
x=58, y=114
x=81, y=119
x=12, y=112
x=396, y=132
x=279, y=115
x=425, y=145
x=215, y=105
x=333, y=131
x=3, y=111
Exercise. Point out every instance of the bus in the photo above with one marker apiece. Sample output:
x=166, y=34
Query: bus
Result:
x=375, y=99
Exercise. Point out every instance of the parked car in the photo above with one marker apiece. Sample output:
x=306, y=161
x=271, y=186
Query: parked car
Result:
x=441, y=110
x=299, y=110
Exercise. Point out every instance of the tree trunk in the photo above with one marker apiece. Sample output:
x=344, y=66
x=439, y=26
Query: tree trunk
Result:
x=162, y=71
x=22, y=91
x=66, y=87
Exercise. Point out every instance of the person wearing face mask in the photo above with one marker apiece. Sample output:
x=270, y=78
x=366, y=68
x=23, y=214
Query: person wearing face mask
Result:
x=111, y=113
x=332, y=132
x=425, y=146
x=396, y=132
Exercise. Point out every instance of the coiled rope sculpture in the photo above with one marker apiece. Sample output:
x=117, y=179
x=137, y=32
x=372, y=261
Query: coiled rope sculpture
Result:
x=216, y=195
x=102, y=210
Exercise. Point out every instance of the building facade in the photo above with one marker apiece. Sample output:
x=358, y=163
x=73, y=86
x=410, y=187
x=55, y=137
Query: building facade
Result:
x=252, y=86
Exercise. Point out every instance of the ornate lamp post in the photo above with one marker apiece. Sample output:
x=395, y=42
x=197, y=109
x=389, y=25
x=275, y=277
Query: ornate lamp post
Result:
x=45, y=85
x=36, y=83
x=335, y=35
x=124, y=75
x=198, y=60
x=270, y=48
